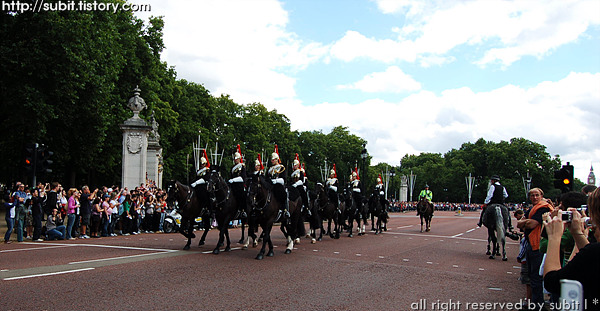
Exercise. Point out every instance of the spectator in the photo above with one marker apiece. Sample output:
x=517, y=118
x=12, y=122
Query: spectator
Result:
x=96, y=220
x=54, y=231
x=532, y=226
x=522, y=258
x=37, y=212
x=9, y=217
x=126, y=218
x=85, y=202
x=72, y=206
x=584, y=265
x=19, y=198
x=63, y=201
x=114, y=206
x=106, y=213
x=587, y=189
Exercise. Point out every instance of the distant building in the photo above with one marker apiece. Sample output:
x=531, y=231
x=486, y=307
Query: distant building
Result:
x=591, y=177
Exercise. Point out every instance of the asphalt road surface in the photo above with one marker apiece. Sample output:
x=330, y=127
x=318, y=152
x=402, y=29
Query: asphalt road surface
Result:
x=401, y=269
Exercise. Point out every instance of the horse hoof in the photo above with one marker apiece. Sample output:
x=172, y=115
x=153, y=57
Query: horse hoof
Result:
x=428, y=230
x=488, y=253
x=288, y=251
x=201, y=243
x=259, y=257
x=377, y=232
x=492, y=257
x=193, y=236
x=313, y=241
x=504, y=259
x=216, y=251
x=297, y=241
x=185, y=248
x=228, y=249
x=241, y=241
x=245, y=247
x=350, y=235
x=270, y=254
x=319, y=239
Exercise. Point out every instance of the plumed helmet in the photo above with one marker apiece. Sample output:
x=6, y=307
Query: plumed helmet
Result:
x=354, y=174
x=203, y=161
x=237, y=155
x=332, y=172
x=274, y=156
x=495, y=177
x=257, y=163
x=296, y=160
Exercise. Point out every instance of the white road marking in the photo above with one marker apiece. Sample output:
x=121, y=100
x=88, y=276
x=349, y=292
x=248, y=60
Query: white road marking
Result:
x=405, y=260
x=233, y=249
x=114, y=258
x=457, y=235
x=471, y=230
x=429, y=262
x=481, y=269
x=494, y=288
x=516, y=267
x=336, y=252
x=381, y=257
x=358, y=255
x=46, y=274
x=35, y=248
x=454, y=266
x=404, y=227
x=441, y=236
x=315, y=250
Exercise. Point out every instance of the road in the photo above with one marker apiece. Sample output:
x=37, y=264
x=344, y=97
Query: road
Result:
x=401, y=269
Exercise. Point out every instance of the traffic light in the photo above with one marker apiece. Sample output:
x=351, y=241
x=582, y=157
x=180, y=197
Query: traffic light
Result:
x=30, y=154
x=43, y=160
x=563, y=178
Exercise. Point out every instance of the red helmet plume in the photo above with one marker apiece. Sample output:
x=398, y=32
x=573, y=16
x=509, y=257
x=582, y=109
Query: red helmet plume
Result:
x=260, y=161
x=239, y=151
x=206, y=157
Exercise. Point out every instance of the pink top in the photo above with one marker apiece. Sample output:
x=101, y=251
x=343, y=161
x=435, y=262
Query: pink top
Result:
x=107, y=209
x=72, y=206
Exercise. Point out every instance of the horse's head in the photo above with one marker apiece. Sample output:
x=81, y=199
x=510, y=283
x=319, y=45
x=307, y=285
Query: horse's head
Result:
x=254, y=188
x=171, y=189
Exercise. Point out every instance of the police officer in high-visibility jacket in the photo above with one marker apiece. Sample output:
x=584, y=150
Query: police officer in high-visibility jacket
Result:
x=427, y=194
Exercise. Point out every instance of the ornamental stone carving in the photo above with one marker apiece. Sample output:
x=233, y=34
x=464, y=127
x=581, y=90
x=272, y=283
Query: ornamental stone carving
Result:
x=134, y=142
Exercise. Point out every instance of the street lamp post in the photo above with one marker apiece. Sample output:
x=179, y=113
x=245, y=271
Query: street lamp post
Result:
x=392, y=174
x=470, y=181
x=411, y=184
x=363, y=155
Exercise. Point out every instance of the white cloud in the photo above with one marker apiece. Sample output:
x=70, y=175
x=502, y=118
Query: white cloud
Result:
x=506, y=30
x=561, y=115
x=393, y=80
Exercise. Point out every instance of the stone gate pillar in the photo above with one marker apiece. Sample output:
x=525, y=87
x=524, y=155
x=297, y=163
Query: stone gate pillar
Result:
x=404, y=188
x=135, y=144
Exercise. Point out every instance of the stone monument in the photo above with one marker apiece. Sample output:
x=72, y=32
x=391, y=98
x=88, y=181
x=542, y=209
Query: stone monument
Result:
x=404, y=188
x=135, y=144
x=154, y=158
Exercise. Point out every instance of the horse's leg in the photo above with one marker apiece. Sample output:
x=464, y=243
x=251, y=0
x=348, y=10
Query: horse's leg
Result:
x=373, y=228
x=206, y=225
x=261, y=253
x=228, y=247
x=243, y=221
x=428, y=224
x=492, y=235
x=488, y=245
x=221, y=227
x=350, y=226
x=269, y=241
x=421, y=223
x=503, y=241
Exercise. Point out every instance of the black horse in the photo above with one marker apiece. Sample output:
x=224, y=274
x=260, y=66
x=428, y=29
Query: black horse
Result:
x=494, y=222
x=378, y=210
x=326, y=209
x=189, y=207
x=225, y=207
x=263, y=211
x=355, y=211
x=290, y=229
x=425, y=209
x=314, y=219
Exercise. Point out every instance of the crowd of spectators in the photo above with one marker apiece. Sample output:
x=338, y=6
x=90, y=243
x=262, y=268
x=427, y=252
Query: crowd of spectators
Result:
x=398, y=206
x=555, y=247
x=49, y=212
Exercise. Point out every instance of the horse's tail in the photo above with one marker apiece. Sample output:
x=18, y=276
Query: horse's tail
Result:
x=499, y=223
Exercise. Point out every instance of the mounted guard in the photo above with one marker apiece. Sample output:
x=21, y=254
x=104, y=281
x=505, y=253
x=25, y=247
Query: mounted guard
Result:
x=332, y=188
x=237, y=183
x=277, y=175
x=297, y=181
x=356, y=186
x=202, y=173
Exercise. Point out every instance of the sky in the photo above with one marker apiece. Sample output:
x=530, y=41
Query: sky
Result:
x=407, y=76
